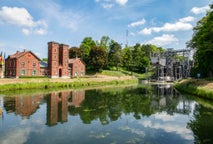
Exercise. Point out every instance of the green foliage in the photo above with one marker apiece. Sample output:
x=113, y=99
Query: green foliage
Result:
x=45, y=59
x=104, y=43
x=127, y=58
x=97, y=58
x=74, y=52
x=85, y=48
x=53, y=85
x=202, y=42
x=115, y=54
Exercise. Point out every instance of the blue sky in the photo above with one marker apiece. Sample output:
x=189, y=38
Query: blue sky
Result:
x=31, y=24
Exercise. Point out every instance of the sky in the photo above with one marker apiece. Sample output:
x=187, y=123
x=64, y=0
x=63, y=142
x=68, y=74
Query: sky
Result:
x=31, y=24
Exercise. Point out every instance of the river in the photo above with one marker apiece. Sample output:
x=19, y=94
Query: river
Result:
x=141, y=114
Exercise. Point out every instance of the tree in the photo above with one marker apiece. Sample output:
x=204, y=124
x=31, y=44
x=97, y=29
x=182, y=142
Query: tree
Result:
x=104, y=43
x=97, y=58
x=202, y=42
x=141, y=61
x=115, y=54
x=85, y=48
x=74, y=52
x=127, y=58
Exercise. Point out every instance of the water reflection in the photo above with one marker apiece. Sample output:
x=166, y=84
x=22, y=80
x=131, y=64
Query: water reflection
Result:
x=58, y=103
x=135, y=114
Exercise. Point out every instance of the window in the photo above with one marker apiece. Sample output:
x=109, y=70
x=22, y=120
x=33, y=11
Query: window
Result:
x=34, y=64
x=22, y=64
x=34, y=72
x=76, y=74
x=22, y=72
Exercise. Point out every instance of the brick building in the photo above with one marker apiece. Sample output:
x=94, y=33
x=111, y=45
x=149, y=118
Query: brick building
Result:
x=27, y=63
x=59, y=64
x=58, y=56
x=77, y=67
x=23, y=63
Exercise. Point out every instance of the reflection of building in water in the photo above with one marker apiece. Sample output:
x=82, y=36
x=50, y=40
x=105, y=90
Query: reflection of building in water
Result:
x=58, y=102
x=166, y=97
x=57, y=107
x=77, y=98
x=22, y=105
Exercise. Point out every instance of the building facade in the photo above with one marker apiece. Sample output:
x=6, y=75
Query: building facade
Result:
x=23, y=63
x=77, y=67
x=59, y=65
x=58, y=56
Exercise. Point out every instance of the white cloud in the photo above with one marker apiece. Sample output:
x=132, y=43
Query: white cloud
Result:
x=26, y=31
x=181, y=25
x=40, y=31
x=107, y=5
x=165, y=39
x=165, y=117
x=146, y=31
x=187, y=19
x=137, y=23
x=18, y=136
x=22, y=18
x=121, y=2
x=170, y=128
x=199, y=10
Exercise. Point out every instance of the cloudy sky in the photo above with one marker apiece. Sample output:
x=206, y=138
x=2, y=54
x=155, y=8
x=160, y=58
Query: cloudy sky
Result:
x=30, y=24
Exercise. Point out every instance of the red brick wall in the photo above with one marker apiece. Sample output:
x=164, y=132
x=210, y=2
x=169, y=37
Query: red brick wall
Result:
x=29, y=64
x=53, y=59
x=26, y=65
x=78, y=68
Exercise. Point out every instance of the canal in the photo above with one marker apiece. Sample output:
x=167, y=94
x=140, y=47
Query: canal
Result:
x=142, y=114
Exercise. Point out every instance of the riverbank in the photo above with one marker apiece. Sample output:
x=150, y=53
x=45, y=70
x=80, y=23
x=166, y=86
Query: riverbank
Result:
x=48, y=83
x=200, y=87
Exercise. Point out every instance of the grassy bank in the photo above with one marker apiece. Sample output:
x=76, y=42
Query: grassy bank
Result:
x=45, y=83
x=200, y=87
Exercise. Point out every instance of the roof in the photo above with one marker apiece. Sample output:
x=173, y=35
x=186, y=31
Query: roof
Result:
x=73, y=60
x=20, y=54
x=43, y=64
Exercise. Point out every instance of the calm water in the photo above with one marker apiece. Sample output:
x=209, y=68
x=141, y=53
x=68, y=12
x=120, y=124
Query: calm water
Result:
x=117, y=115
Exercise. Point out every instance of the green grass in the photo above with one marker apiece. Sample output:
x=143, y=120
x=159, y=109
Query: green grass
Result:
x=191, y=87
x=53, y=85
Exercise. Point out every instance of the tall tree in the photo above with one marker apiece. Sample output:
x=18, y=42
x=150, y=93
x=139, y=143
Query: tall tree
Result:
x=115, y=54
x=74, y=52
x=85, y=48
x=202, y=42
x=104, y=43
x=97, y=58
x=127, y=58
x=141, y=61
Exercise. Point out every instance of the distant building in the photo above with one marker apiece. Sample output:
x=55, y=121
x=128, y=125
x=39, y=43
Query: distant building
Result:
x=2, y=66
x=58, y=56
x=23, y=63
x=59, y=65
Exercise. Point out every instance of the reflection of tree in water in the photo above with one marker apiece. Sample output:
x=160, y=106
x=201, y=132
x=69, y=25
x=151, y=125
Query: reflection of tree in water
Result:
x=202, y=125
x=108, y=104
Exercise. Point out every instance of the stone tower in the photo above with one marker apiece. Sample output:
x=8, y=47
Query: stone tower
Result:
x=58, y=56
